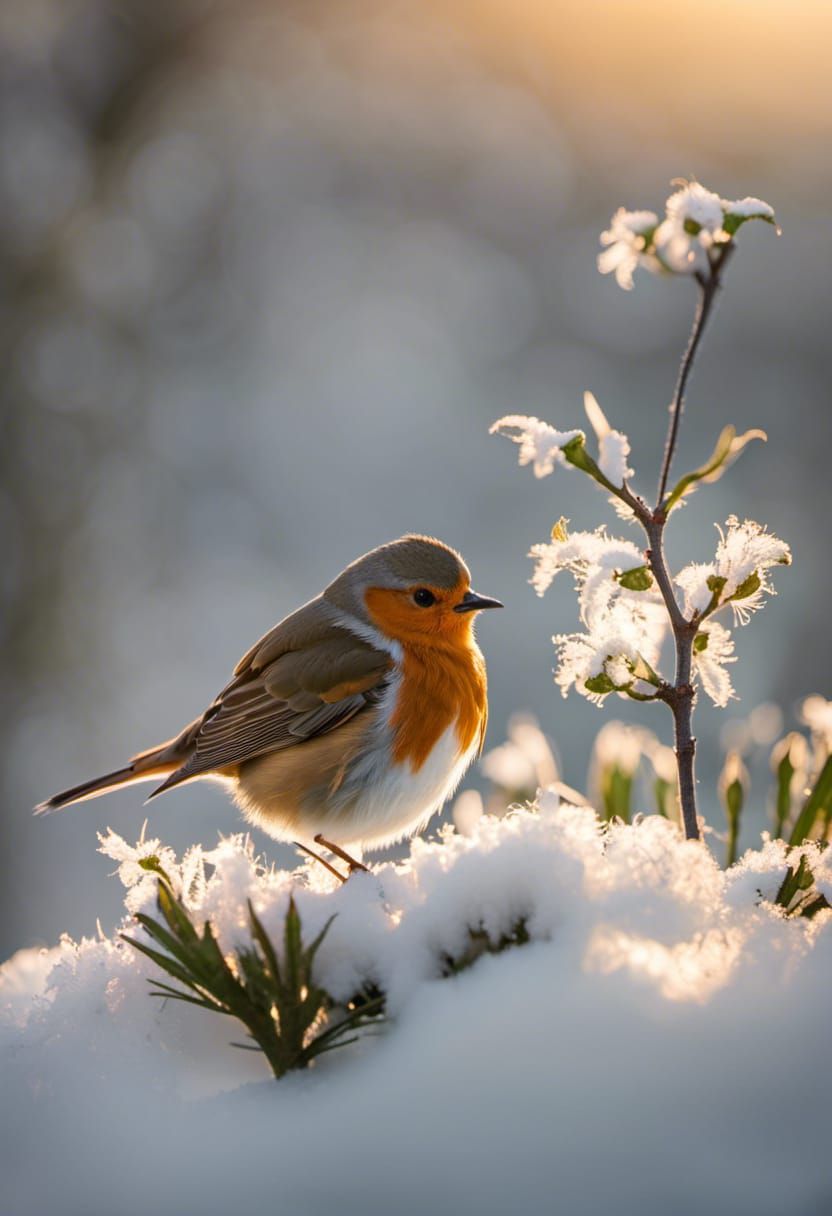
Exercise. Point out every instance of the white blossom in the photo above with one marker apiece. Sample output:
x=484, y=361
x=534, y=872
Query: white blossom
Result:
x=710, y=662
x=540, y=443
x=627, y=241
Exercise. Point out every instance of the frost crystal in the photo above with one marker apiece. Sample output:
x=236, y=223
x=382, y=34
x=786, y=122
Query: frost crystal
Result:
x=627, y=240
x=540, y=443
x=715, y=649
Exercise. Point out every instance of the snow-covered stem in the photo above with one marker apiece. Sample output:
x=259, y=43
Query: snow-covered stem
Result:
x=709, y=284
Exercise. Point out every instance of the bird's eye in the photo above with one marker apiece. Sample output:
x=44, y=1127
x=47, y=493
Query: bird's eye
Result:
x=423, y=597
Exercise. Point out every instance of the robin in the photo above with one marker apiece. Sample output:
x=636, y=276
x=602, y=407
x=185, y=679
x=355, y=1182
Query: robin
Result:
x=351, y=721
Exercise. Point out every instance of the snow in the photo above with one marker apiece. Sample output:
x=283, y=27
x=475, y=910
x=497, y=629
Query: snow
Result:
x=749, y=208
x=654, y=1047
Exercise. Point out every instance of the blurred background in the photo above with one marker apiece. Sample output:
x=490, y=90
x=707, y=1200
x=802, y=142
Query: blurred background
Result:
x=270, y=270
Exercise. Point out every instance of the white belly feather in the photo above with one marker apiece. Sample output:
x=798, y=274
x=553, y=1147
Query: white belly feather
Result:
x=381, y=802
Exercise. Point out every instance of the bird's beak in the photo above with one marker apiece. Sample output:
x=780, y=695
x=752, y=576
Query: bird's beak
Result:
x=471, y=602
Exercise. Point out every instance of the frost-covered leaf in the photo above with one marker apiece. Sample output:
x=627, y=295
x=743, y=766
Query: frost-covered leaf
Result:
x=713, y=650
x=693, y=224
x=739, y=211
x=613, y=446
x=628, y=240
x=694, y=581
x=540, y=444
x=583, y=554
x=745, y=554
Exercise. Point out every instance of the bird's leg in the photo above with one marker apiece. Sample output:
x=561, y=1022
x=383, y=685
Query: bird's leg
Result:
x=339, y=852
x=322, y=860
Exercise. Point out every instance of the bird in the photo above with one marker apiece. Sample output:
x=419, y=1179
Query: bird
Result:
x=349, y=723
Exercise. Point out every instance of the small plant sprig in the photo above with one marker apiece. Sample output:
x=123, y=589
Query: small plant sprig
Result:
x=480, y=942
x=629, y=600
x=278, y=1002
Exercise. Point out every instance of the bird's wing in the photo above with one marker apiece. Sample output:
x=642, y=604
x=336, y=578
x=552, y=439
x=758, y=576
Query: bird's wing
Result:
x=303, y=679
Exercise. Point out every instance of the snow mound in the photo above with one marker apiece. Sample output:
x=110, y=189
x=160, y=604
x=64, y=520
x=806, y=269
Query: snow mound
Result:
x=654, y=1048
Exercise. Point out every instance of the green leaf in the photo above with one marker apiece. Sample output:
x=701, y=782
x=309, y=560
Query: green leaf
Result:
x=748, y=586
x=637, y=579
x=576, y=454
x=817, y=807
x=732, y=222
x=643, y=671
x=700, y=642
x=154, y=866
x=600, y=684
x=728, y=448
x=616, y=793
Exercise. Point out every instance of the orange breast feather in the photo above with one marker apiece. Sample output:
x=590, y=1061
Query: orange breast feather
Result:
x=443, y=684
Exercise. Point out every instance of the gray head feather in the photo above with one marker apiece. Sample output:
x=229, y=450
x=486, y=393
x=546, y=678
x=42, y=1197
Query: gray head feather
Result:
x=408, y=562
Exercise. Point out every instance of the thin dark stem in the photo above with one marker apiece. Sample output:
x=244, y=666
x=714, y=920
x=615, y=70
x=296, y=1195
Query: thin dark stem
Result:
x=680, y=695
x=709, y=284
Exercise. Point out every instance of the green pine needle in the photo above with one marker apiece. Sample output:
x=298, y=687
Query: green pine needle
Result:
x=282, y=1008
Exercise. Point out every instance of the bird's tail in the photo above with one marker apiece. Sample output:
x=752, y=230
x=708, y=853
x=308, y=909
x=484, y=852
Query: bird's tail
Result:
x=148, y=766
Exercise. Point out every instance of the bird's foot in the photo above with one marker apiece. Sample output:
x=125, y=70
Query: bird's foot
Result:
x=317, y=857
x=339, y=852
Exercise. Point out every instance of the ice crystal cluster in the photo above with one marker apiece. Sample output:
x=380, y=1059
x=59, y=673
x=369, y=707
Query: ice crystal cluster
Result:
x=647, y=971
